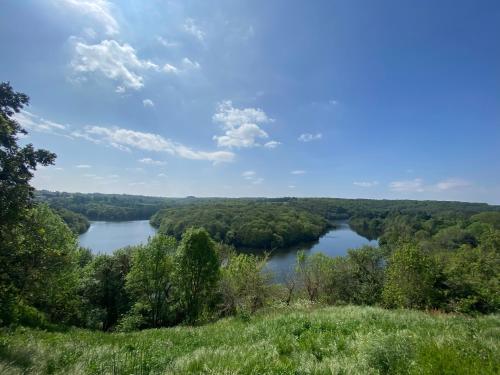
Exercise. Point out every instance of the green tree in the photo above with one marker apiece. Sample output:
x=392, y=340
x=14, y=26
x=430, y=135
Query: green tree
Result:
x=473, y=279
x=104, y=288
x=45, y=271
x=314, y=273
x=366, y=268
x=244, y=285
x=16, y=162
x=16, y=166
x=150, y=280
x=197, y=268
x=410, y=279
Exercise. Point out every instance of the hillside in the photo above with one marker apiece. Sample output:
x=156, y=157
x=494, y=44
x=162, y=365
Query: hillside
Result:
x=298, y=340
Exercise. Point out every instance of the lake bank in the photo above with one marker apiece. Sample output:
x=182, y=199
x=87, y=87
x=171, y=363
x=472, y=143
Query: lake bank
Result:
x=106, y=237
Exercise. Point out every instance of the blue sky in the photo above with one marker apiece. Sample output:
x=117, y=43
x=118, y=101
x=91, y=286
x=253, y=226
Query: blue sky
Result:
x=386, y=99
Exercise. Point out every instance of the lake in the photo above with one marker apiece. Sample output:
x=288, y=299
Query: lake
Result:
x=336, y=242
x=106, y=237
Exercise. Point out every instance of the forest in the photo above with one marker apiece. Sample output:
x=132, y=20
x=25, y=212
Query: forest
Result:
x=438, y=257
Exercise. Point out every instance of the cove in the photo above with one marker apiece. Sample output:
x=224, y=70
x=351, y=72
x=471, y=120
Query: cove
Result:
x=336, y=242
x=107, y=236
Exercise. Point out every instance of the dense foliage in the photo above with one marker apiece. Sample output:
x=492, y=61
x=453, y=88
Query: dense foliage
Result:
x=109, y=207
x=17, y=223
x=244, y=224
x=75, y=221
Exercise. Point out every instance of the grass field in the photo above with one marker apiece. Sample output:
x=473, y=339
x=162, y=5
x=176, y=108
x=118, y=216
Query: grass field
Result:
x=298, y=340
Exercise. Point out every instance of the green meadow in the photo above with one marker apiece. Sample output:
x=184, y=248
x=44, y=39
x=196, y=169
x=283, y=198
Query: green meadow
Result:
x=300, y=339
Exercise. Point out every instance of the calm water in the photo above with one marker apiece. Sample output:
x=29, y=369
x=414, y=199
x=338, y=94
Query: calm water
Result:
x=107, y=236
x=334, y=243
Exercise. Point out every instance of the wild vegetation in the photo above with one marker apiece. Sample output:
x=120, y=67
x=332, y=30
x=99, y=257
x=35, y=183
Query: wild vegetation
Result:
x=441, y=257
x=298, y=339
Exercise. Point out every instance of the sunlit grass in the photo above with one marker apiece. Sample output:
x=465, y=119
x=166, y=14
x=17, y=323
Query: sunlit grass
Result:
x=294, y=340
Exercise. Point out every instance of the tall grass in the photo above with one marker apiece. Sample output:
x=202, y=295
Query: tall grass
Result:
x=294, y=340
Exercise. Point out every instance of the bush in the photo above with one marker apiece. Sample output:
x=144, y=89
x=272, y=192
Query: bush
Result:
x=411, y=277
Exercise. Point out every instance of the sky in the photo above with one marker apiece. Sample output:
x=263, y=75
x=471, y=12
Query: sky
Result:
x=356, y=99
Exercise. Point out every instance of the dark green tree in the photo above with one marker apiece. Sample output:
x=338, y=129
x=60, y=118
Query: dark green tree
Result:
x=17, y=164
x=150, y=280
x=104, y=288
x=410, y=279
x=197, y=267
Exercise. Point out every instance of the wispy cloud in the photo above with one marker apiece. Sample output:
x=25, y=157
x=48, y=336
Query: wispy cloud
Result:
x=83, y=166
x=308, y=137
x=150, y=161
x=298, y=172
x=119, y=137
x=165, y=42
x=33, y=122
x=99, y=10
x=193, y=29
x=365, y=184
x=417, y=185
x=185, y=66
x=452, y=183
x=252, y=177
x=118, y=62
x=148, y=103
x=241, y=126
x=272, y=144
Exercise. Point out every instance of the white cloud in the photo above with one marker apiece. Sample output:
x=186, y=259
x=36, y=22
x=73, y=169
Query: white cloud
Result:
x=167, y=68
x=114, y=61
x=291, y=186
x=452, y=183
x=83, y=166
x=191, y=28
x=298, y=171
x=308, y=137
x=241, y=126
x=189, y=64
x=185, y=66
x=417, y=185
x=248, y=175
x=333, y=102
x=119, y=137
x=365, y=183
x=99, y=10
x=272, y=144
x=410, y=186
x=33, y=122
x=162, y=175
x=150, y=161
x=148, y=103
x=165, y=42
